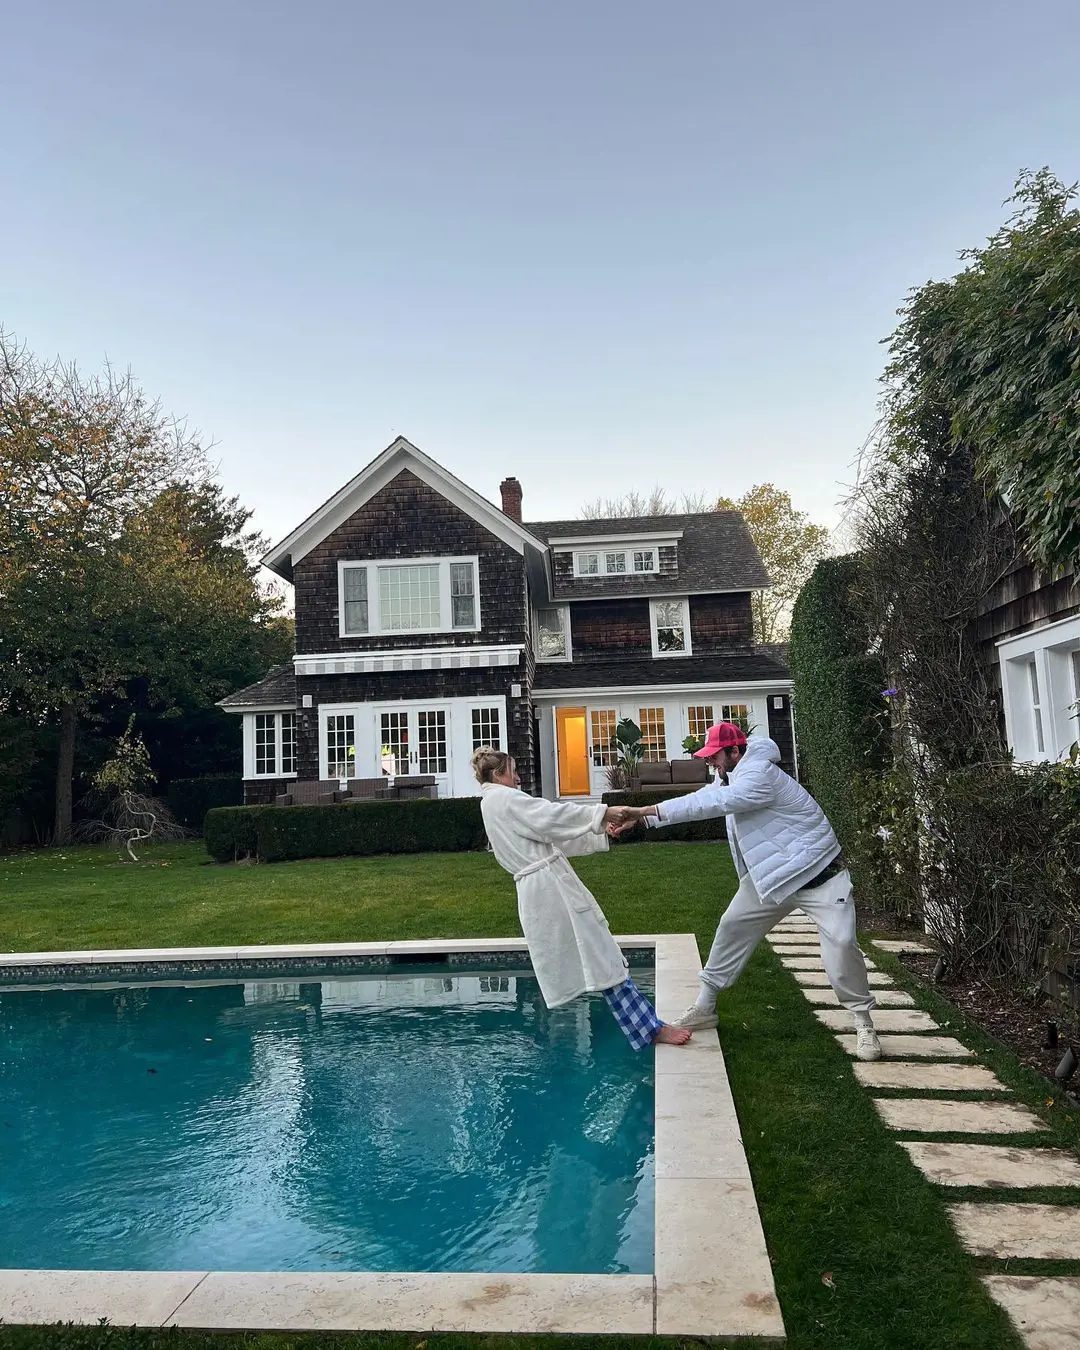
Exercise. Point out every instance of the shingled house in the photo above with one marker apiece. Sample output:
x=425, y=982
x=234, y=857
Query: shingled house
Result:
x=429, y=621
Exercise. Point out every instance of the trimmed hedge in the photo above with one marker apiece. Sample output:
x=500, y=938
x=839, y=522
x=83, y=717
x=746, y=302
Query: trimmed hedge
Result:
x=696, y=831
x=278, y=833
x=189, y=799
x=841, y=716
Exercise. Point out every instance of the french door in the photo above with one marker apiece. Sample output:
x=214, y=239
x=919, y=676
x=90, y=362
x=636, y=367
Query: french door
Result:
x=419, y=740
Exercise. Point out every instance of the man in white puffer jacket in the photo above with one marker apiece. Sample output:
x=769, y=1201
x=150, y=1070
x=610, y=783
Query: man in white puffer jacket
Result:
x=787, y=858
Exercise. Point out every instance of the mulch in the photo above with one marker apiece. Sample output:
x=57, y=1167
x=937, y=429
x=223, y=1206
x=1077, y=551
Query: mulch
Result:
x=1017, y=1019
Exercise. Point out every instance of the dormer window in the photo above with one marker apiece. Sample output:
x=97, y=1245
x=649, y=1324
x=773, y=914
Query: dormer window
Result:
x=615, y=562
x=399, y=596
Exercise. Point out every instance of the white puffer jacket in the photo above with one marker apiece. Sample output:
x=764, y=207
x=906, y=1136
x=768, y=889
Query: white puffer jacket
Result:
x=777, y=832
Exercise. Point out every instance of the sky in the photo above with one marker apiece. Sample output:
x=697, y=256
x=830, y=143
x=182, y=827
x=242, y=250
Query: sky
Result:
x=596, y=244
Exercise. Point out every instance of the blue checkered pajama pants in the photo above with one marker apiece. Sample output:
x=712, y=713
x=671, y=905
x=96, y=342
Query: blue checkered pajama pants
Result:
x=634, y=1013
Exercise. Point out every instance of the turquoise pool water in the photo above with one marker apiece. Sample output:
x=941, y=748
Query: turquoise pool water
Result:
x=438, y=1121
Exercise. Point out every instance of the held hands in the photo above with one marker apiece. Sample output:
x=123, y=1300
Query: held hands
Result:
x=621, y=819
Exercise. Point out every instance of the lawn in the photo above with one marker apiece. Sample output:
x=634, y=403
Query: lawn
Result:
x=838, y=1197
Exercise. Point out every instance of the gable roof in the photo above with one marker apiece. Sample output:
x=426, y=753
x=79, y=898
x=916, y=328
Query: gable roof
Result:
x=399, y=455
x=716, y=549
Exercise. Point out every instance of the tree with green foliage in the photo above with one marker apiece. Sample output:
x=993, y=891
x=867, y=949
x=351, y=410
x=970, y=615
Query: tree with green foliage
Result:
x=994, y=352
x=791, y=546
x=120, y=560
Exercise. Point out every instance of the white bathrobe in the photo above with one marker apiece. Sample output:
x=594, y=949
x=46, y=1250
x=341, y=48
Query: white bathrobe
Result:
x=570, y=943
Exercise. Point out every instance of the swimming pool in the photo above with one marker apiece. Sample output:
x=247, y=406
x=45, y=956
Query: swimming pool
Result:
x=434, y=1120
x=710, y=1268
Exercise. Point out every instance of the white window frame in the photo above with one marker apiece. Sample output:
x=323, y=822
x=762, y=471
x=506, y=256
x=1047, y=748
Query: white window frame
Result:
x=603, y=554
x=564, y=611
x=1044, y=656
x=446, y=607
x=249, y=743
x=670, y=600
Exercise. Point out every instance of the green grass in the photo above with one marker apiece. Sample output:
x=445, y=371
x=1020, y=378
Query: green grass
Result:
x=837, y=1195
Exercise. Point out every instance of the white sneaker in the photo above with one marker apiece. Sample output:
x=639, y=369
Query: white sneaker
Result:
x=695, y=1019
x=867, y=1045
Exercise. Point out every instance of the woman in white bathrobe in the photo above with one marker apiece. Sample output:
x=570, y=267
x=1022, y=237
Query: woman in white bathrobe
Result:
x=570, y=943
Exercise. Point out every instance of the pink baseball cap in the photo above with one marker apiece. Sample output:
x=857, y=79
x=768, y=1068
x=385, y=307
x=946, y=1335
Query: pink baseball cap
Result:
x=721, y=737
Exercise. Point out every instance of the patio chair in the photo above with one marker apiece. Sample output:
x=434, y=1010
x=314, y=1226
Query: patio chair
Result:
x=311, y=792
x=410, y=786
x=368, y=789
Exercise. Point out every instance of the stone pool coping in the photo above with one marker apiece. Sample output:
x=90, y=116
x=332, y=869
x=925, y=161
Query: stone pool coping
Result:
x=712, y=1274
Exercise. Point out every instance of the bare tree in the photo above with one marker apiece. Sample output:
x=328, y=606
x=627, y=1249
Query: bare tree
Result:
x=654, y=503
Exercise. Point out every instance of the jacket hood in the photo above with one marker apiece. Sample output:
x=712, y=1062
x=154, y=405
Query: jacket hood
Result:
x=761, y=747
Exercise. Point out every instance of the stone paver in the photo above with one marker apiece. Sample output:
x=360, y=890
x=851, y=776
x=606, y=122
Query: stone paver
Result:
x=886, y=1019
x=943, y=1117
x=1023, y=1232
x=900, y=1073
x=993, y=1165
x=817, y=978
x=812, y=961
x=906, y=945
x=914, y=1047
x=1044, y=1308
x=886, y=998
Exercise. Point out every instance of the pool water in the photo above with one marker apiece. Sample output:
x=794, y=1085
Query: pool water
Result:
x=436, y=1121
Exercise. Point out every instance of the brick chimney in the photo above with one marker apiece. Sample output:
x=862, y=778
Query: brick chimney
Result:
x=511, y=498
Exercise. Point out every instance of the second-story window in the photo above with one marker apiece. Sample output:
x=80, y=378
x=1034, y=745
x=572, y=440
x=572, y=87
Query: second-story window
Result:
x=432, y=595
x=553, y=633
x=615, y=562
x=670, y=627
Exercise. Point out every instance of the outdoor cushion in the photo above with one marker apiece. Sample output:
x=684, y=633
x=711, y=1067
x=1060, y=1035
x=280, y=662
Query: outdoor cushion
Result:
x=689, y=771
x=658, y=772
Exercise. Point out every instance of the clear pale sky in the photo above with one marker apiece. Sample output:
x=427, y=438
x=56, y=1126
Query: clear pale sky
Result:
x=598, y=244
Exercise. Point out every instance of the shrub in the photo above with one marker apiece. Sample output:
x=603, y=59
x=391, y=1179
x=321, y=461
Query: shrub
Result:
x=189, y=799
x=696, y=831
x=277, y=833
x=841, y=721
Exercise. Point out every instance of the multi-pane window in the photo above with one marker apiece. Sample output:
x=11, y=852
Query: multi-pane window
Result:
x=409, y=597
x=431, y=741
x=604, y=746
x=265, y=743
x=394, y=738
x=485, y=728
x=552, y=625
x=652, y=733
x=588, y=564
x=463, y=594
x=699, y=718
x=274, y=744
x=615, y=562
x=434, y=596
x=739, y=713
x=340, y=746
x=288, y=742
x=354, y=581
x=671, y=628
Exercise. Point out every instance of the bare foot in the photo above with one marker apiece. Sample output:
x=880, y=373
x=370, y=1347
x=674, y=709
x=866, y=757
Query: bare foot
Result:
x=672, y=1035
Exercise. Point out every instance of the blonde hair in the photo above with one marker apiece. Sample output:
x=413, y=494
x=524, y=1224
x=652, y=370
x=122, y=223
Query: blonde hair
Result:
x=487, y=762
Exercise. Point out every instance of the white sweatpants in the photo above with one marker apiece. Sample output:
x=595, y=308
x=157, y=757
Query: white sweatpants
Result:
x=748, y=918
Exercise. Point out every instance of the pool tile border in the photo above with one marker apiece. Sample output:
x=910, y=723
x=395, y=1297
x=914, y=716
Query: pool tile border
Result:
x=712, y=1272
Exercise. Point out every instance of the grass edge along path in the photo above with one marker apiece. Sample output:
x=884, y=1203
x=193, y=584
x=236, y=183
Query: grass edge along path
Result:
x=838, y=1197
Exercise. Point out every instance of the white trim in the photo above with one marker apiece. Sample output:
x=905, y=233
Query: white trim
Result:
x=446, y=605
x=382, y=470
x=257, y=707
x=1046, y=654
x=688, y=649
x=587, y=541
x=627, y=551
x=249, y=744
x=597, y=691
x=420, y=658
x=564, y=610
x=1071, y=625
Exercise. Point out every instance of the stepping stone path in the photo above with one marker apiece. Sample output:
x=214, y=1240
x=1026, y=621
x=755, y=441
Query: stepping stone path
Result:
x=919, y=1058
